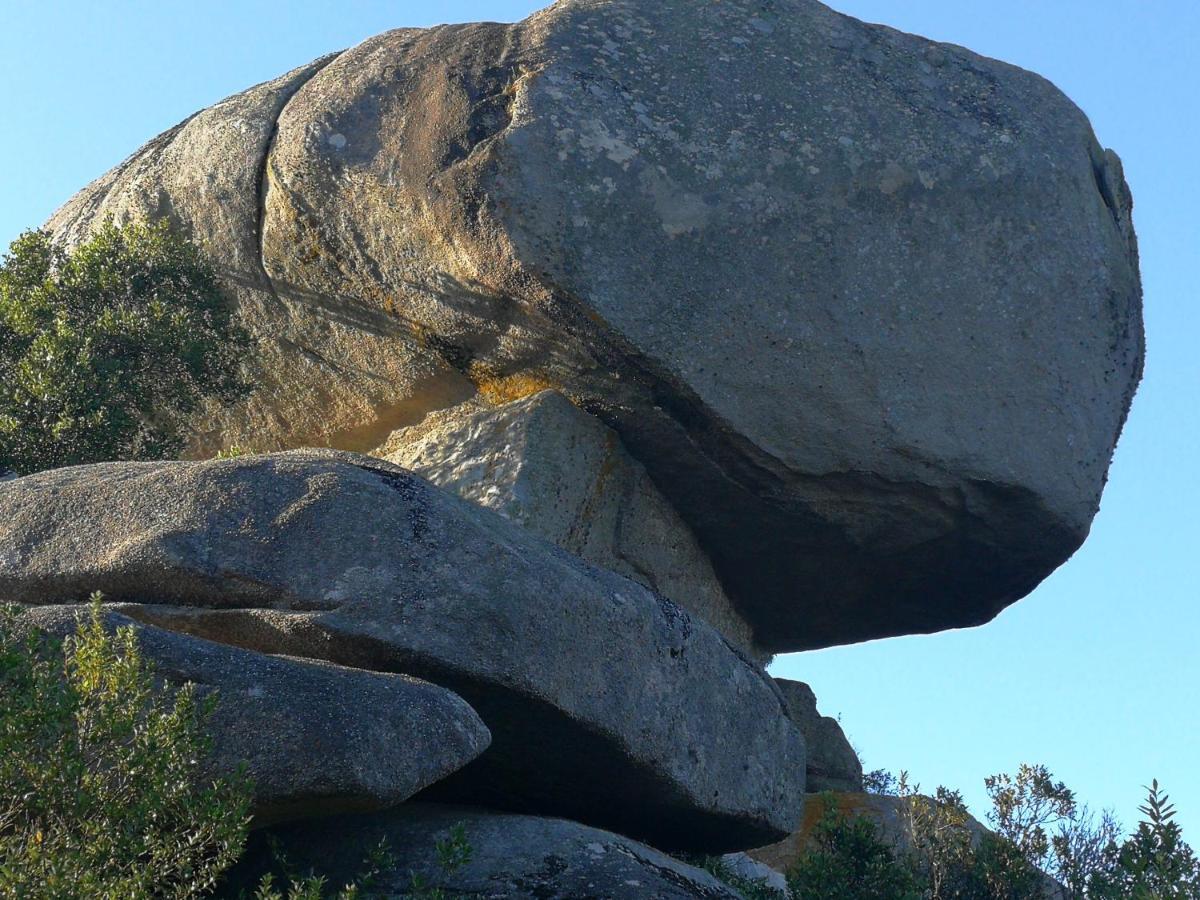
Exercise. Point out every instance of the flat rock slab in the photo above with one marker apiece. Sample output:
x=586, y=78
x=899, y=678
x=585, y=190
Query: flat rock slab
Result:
x=545, y=464
x=866, y=306
x=317, y=739
x=512, y=857
x=606, y=702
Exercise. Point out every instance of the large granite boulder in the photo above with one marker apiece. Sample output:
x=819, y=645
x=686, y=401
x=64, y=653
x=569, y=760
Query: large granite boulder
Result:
x=606, y=702
x=316, y=739
x=866, y=306
x=831, y=763
x=547, y=465
x=512, y=857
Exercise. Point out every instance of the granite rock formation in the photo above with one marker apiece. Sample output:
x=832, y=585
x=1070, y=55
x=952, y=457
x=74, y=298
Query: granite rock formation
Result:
x=550, y=467
x=865, y=306
x=606, y=702
x=299, y=725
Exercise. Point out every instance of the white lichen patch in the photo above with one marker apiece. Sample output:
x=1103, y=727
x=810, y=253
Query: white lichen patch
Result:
x=597, y=139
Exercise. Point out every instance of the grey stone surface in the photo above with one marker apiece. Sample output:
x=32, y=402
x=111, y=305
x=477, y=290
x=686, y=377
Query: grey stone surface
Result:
x=831, y=763
x=317, y=739
x=552, y=468
x=513, y=857
x=866, y=306
x=744, y=866
x=327, y=371
x=606, y=702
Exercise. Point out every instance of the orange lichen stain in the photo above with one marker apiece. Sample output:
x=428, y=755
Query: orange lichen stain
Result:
x=786, y=853
x=498, y=390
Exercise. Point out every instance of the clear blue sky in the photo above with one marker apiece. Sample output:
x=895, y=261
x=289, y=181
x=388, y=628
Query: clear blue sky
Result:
x=1097, y=673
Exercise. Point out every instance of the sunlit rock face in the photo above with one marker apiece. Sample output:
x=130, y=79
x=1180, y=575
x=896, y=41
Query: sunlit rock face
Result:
x=865, y=306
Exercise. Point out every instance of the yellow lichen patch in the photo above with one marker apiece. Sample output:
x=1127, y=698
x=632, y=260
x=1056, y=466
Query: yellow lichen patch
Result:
x=498, y=390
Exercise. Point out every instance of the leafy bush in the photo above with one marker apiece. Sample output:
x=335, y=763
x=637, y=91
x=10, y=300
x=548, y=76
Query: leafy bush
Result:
x=285, y=882
x=1023, y=806
x=1039, y=830
x=291, y=885
x=453, y=852
x=100, y=787
x=1154, y=863
x=106, y=350
x=749, y=888
x=881, y=782
x=849, y=860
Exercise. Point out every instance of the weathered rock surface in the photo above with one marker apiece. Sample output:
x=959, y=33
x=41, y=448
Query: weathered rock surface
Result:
x=746, y=867
x=866, y=306
x=606, y=702
x=831, y=763
x=317, y=739
x=512, y=856
x=552, y=468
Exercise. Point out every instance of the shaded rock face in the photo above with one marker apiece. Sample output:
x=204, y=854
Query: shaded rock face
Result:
x=831, y=763
x=866, y=306
x=317, y=739
x=512, y=857
x=605, y=701
x=550, y=467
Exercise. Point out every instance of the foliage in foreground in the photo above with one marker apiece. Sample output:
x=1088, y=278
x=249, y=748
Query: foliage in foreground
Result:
x=102, y=792
x=286, y=882
x=749, y=888
x=849, y=860
x=100, y=788
x=106, y=350
x=1038, y=829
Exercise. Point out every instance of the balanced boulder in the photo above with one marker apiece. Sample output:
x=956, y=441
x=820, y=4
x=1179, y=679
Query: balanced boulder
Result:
x=315, y=739
x=866, y=306
x=548, y=466
x=606, y=702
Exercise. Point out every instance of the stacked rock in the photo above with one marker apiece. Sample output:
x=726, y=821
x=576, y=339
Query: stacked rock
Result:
x=710, y=331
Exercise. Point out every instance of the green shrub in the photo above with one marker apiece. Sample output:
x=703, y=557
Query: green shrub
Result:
x=289, y=884
x=749, y=888
x=1154, y=863
x=285, y=882
x=849, y=860
x=1040, y=831
x=106, y=350
x=100, y=788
